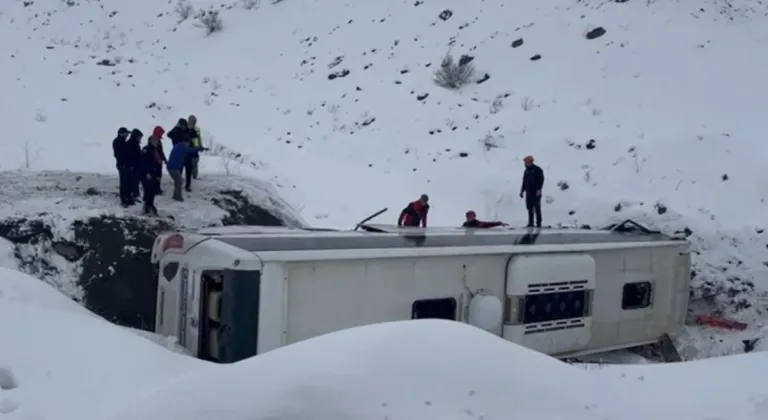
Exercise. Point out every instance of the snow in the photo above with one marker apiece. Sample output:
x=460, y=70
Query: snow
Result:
x=441, y=369
x=59, y=361
x=62, y=359
x=673, y=96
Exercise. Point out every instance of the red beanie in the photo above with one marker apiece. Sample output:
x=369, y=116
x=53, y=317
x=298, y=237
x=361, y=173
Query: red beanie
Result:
x=158, y=131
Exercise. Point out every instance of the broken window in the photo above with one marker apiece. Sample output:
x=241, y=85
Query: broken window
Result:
x=636, y=295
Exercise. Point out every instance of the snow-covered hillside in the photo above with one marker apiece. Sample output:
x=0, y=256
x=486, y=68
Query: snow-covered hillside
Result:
x=661, y=118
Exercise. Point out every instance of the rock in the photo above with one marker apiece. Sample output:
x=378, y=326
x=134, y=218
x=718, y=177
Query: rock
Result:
x=595, y=33
x=483, y=79
x=99, y=254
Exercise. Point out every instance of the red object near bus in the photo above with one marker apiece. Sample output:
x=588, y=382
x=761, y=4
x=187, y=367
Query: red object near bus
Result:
x=718, y=322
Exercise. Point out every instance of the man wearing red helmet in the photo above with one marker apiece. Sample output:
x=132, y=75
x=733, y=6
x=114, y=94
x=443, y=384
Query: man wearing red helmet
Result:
x=533, y=182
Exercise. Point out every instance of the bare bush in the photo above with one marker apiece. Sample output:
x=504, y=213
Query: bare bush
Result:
x=31, y=154
x=211, y=21
x=526, y=103
x=452, y=74
x=184, y=9
x=249, y=4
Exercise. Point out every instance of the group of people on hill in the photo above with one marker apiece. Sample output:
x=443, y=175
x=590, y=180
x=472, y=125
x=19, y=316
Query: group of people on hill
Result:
x=415, y=213
x=137, y=165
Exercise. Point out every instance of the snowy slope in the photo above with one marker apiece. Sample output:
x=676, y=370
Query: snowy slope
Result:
x=673, y=96
x=57, y=359
x=446, y=370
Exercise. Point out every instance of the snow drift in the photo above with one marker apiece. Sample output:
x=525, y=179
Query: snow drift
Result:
x=439, y=369
x=59, y=360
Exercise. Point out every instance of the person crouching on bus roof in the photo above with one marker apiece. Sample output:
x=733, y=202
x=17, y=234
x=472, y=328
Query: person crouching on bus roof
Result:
x=472, y=222
x=415, y=213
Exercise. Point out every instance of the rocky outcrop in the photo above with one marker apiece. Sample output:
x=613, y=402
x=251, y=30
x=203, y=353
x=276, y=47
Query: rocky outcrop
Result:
x=67, y=230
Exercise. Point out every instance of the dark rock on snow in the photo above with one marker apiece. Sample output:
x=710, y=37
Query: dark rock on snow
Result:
x=595, y=33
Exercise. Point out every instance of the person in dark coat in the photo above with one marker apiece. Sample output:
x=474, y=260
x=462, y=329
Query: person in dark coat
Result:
x=415, y=213
x=180, y=132
x=133, y=152
x=158, y=133
x=194, y=130
x=472, y=222
x=151, y=168
x=120, y=151
x=533, y=182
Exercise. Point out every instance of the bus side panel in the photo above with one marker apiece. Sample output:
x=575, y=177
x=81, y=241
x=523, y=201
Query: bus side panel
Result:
x=328, y=296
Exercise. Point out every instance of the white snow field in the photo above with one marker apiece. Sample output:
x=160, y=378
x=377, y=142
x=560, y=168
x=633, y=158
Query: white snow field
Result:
x=59, y=360
x=661, y=119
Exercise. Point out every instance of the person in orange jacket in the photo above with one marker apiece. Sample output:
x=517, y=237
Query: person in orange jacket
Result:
x=472, y=222
x=415, y=213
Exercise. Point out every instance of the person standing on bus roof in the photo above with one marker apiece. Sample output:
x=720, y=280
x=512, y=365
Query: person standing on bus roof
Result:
x=533, y=182
x=415, y=213
x=472, y=222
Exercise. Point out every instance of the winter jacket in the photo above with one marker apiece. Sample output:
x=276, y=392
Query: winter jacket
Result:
x=533, y=180
x=414, y=214
x=179, y=134
x=119, y=150
x=480, y=224
x=178, y=155
x=195, y=141
x=133, y=150
x=151, y=161
x=162, y=152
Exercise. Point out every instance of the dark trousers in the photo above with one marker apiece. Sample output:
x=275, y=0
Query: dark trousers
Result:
x=124, y=174
x=533, y=204
x=135, y=181
x=189, y=172
x=151, y=187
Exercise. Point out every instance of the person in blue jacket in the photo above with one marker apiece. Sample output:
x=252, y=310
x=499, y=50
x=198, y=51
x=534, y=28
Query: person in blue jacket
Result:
x=175, y=165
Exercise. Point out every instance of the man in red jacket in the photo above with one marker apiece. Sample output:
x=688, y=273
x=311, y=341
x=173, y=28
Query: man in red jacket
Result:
x=472, y=221
x=415, y=213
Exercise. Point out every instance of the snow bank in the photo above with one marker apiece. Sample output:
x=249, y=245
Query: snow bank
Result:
x=67, y=229
x=445, y=370
x=58, y=360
